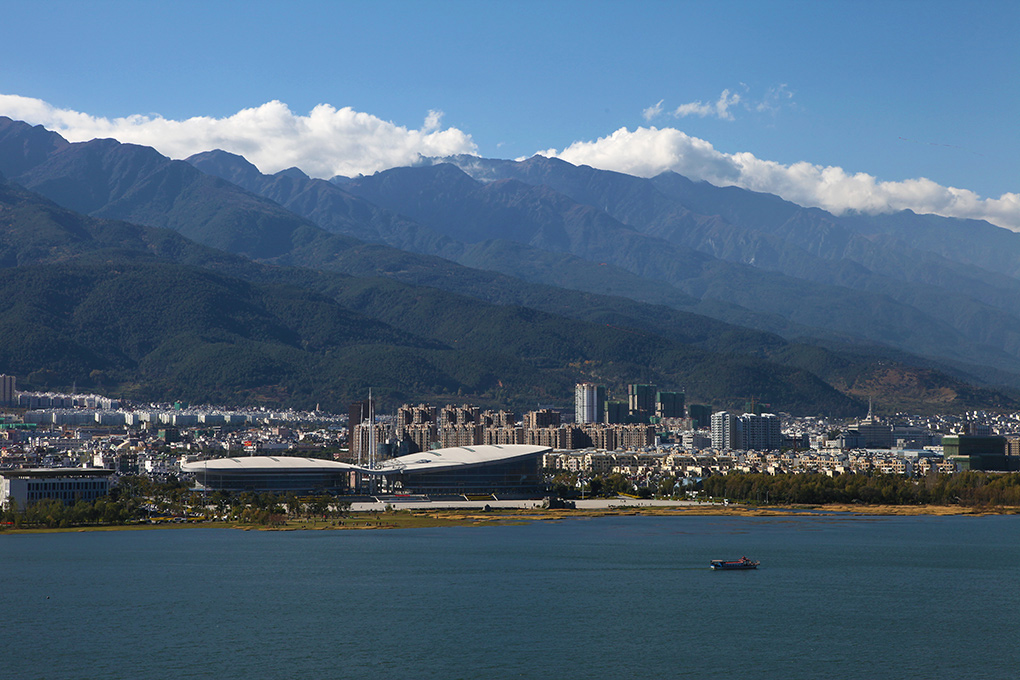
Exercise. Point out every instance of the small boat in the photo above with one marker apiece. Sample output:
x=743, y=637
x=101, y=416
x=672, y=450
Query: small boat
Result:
x=742, y=563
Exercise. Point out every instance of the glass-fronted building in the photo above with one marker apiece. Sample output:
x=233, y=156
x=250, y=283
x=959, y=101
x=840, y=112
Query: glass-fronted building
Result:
x=976, y=452
x=68, y=485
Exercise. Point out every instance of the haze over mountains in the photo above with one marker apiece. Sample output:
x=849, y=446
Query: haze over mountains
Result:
x=474, y=279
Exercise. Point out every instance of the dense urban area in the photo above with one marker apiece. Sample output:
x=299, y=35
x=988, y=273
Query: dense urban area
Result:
x=104, y=460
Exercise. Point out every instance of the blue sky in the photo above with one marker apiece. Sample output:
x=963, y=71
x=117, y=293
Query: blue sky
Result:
x=897, y=90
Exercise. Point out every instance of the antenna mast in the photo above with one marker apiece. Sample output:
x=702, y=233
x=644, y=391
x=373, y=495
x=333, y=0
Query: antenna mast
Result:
x=371, y=430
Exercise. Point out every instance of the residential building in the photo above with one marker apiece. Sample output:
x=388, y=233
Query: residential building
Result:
x=701, y=416
x=7, y=390
x=458, y=415
x=541, y=419
x=589, y=403
x=726, y=432
x=761, y=432
x=669, y=404
x=641, y=401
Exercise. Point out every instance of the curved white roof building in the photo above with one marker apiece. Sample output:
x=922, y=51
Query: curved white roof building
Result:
x=458, y=457
x=274, y=474
x=508, y=470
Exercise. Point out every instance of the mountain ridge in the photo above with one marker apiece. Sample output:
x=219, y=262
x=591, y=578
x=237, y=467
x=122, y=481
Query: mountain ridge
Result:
x=182, y=195
x=266, y=337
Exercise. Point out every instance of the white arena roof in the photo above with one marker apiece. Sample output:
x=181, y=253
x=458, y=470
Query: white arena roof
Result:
x=252, y=463
x=458, y=456
x=426, y=461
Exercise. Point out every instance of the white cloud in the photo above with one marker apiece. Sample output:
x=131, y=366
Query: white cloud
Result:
x=649, y=151
x=720, y=109
x=774, y=99
x=326, y=142
x=653, y=111
x=330, y=141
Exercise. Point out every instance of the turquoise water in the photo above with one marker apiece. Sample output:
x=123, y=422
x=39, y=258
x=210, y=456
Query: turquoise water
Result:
x=914, y=597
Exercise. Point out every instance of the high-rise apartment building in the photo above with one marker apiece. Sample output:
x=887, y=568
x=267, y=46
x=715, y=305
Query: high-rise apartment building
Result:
x=553, y=436
x=641, y=400
x=589, y=403
x=701, y=416
x=7, y=389
x=364, y=437
x=415, y=438
x=761, y=432
x=616, y=412
x=669, y=404
x=358, y=413
x=635, y=436
x=503, y=434
x=458, y=415
x=408, y=415
x=726, y=431
x=503, y=418
x=534, y=420
x=465, y=434
x=416, y=427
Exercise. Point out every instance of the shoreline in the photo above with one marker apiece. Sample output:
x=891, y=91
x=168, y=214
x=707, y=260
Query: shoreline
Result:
x=477, y=515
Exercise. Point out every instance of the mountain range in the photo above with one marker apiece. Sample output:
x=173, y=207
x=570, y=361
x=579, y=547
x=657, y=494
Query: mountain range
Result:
x=501, y=282
x=751, y=259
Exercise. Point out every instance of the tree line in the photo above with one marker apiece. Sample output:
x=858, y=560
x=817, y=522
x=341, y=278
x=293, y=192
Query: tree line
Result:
x=137, y=499
x=969, y=488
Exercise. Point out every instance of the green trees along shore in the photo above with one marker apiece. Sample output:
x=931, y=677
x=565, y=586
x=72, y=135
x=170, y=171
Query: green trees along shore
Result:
x=138, y=499
x=965, y=488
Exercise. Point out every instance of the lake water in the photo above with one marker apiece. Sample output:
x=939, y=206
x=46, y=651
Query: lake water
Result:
x=912, y=597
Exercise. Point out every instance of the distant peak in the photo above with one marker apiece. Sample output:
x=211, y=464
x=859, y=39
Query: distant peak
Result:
x=225, y=165
x=296, y=173
x=219, y=156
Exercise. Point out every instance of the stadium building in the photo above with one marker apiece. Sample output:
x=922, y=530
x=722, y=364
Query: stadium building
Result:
x=501, y=470
x=275, y=474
